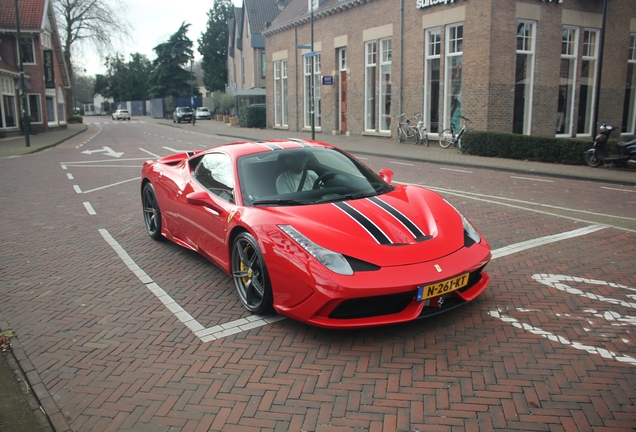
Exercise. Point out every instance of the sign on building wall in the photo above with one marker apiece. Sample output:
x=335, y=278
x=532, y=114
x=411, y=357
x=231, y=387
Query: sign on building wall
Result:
x=49, y=73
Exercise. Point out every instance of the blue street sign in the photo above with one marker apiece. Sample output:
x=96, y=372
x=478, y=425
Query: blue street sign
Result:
x=311, y=54
x=327, y=80
x=303, y=47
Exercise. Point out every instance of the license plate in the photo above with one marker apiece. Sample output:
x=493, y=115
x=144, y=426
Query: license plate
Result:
x=443, y=287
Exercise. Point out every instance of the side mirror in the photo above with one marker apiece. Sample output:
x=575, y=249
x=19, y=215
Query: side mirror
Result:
x=202, y=198
x=386, y=175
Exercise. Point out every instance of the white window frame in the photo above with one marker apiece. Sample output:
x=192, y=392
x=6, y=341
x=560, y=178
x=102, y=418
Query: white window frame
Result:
x=284, y=91
x=569, y=52
x=310, y=80
x=452, y=50
x=39, y=102
x=370, y=64
x=630, y=129
x=590, y=53
x=432, y=52
x=528, y=49
x=32, y=51
x=277, y=95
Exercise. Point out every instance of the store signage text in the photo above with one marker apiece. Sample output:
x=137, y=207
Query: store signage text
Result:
x=421, y=4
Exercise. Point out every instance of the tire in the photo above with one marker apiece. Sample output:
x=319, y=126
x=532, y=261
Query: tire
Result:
x=152, y=214
x=592, y=160
x=400, y=135
x=424, y=140
x=250, y=276
x=445, y=138
x=413, y=137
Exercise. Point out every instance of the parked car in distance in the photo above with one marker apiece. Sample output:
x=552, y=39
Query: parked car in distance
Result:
x=121, y=114
x=182, y=114
x=203, y=113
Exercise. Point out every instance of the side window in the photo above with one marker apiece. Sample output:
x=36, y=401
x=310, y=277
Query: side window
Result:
x=214, y=172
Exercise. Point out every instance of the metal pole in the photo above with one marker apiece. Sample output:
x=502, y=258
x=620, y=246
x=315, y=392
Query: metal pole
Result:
x=191, y=86
x=597, y=96
x=25, y=118
x=313, y=83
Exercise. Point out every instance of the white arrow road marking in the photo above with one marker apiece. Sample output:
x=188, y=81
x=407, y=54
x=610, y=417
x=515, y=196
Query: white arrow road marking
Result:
x=105, y=149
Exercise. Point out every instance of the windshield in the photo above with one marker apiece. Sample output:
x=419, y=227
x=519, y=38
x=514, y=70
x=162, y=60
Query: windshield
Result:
x=305, y=176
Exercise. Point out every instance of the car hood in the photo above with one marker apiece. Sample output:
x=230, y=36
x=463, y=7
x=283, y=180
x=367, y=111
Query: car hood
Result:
x=406, y=226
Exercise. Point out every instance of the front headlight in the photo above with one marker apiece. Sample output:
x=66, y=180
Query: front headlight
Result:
x=332, y=260
x=469, y=230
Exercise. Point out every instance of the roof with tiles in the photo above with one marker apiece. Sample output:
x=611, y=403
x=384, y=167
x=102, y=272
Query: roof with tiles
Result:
x=260, y=13
x=297, y=12
x=31, y=14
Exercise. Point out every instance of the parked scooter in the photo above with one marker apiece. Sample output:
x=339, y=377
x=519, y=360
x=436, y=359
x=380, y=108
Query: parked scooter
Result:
x=600, y=154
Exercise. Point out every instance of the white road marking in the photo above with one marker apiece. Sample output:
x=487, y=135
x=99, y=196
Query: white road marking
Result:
x=532, y=179
x=205, y=334
x=89, y=208
x=617, y=189
x=563, y=341
x=111, y=185
x=70, y=176
x=77, y=189
x=151, y=154
x=401, y=163
x=456, y=170
x=253, y=321
x=518, y=247
x=173, y=150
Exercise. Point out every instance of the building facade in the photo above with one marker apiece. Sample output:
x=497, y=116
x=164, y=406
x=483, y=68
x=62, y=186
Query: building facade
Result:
x=246, y=51
x=525, y=66
x=45, y=71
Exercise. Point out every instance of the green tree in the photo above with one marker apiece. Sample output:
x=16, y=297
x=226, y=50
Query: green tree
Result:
x=213, y=45
x=125, y=81
x=171, y=74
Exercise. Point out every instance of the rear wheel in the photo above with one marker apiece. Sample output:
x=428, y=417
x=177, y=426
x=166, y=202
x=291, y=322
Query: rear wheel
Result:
x=413, y=136
x=250, y=275
x=400, y=135
x=152, y=214
x=445, y=138
x=424, y=139
x=592, y=159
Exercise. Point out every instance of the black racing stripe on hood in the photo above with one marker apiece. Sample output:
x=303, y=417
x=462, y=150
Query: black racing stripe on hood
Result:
x=300, y=142
x=417, y=233
x=271, y=146
x=365, y=222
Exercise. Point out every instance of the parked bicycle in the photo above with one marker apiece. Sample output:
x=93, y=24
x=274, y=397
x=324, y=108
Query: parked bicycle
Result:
x=422, y=132
x=448, y=136
x=406, y=131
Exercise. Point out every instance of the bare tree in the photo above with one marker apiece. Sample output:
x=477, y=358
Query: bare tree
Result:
x=93, y=22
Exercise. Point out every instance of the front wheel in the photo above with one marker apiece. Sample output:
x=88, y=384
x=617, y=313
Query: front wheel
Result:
x=400, y=135
x=250, y=275
x=592, y=159
x=152, y=214
x=445, y=138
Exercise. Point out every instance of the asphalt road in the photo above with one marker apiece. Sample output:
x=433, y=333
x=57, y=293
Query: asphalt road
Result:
x=128, y=334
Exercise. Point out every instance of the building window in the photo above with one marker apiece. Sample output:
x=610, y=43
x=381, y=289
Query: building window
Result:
x=375, y=82
x=283, y=65
x=588, y=82
x=8, y=108
x=50, y=109
x=524, y=71
x=263, y=64
x=629, y=103
x=433, y=50
x=370, y=82
x=27, y=51
x=35, y=108
x=309, y=85
x=453, y=78
x=567, y=81
x=277, y=94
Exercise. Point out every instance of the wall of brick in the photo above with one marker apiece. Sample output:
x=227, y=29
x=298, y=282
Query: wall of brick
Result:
x=489, y=55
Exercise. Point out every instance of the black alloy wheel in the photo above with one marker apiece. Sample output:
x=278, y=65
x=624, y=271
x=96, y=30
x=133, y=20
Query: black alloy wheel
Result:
x=152, y=214
x=250, y=275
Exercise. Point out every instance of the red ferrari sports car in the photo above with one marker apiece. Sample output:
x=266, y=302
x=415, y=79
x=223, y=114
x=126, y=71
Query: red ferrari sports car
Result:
x=307, y=230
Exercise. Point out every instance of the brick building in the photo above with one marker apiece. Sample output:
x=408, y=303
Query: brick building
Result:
x=524, y=66
x=45, y=70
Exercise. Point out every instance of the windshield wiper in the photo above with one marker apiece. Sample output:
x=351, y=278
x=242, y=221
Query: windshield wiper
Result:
x=279, y=201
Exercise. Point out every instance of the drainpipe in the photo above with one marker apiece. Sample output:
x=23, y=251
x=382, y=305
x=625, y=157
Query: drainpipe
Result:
x=401, y=55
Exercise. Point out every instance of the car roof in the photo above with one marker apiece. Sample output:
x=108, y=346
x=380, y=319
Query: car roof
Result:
x=239, y=149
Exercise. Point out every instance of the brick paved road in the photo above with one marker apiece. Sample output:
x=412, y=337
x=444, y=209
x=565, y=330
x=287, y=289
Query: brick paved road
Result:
x=549, y=346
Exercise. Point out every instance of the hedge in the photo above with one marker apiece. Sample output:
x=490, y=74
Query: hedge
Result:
x=252, y=116
x=523, y=147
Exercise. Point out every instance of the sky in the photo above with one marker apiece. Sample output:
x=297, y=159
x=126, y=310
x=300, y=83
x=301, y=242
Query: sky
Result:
x=152, y=22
